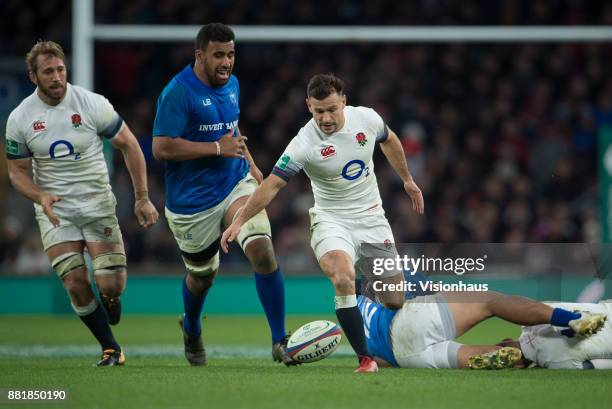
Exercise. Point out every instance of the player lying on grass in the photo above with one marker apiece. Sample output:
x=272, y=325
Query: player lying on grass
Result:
x=547, y=346
x=421, y=334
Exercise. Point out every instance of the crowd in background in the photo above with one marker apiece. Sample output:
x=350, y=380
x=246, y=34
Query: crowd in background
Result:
x=501, y=138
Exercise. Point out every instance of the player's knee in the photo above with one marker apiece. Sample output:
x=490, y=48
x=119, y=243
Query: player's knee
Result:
x=489, y=301
x=261, y=255
x=200, y=284
x=394, y=302
x=78, y=288
x=112, y=284
x=343, y=280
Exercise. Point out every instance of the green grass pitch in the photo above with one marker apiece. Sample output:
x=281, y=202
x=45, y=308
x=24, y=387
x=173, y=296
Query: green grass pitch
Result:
x=49, y=352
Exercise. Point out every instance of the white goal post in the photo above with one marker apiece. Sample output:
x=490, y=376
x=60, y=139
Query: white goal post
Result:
x=85, y=32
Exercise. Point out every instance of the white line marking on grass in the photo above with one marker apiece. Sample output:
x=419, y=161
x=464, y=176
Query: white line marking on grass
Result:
x=214, y=351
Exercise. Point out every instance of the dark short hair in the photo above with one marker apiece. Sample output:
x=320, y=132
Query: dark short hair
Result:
x=323, y=85
x=217, y=32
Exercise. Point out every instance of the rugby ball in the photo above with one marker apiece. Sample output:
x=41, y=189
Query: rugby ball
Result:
x=314, y=341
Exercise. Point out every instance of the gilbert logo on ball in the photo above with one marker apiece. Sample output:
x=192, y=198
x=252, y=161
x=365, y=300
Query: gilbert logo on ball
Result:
x=314, y=341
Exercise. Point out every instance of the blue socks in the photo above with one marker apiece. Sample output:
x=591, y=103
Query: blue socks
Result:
x=271, y=292
x=561, y=317
x=193, y=308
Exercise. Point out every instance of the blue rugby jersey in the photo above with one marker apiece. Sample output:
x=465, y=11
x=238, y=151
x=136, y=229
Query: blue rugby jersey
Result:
x=187, y=108
x=377, y=324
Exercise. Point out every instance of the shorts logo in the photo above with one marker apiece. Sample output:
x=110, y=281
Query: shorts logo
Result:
x=76, y=120
x=361, y=139
x=387, y=243
x=328, y=152
x=38, y=126
x=108, y=231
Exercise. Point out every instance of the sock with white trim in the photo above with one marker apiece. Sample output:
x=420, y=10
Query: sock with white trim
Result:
x=351, y=322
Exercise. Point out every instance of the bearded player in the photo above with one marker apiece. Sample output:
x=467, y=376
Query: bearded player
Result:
x=335, y=150
x=57, y=133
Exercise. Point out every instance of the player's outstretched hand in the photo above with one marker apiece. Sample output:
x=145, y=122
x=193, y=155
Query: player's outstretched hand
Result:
x=232, y=147
x=46, y=201
x=418, y=204
x=228, y=236
x=145, y=212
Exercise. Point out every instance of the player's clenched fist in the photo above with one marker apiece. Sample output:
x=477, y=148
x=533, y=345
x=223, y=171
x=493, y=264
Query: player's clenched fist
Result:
x=145, y=212
x=232, y=147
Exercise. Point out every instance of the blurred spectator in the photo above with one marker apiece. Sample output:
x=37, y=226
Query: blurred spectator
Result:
x=501, y=138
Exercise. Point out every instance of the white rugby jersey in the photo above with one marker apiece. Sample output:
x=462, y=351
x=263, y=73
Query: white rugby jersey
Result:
x=548, y=348
x=339, y=165
x=65, y=144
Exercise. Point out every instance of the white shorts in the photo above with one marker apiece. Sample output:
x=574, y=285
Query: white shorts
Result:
x=422, y=334
x=332, y=232
x=196, y=232
x=97, y=224
x=548, y=348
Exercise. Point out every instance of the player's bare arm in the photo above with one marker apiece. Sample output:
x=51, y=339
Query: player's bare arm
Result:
x=393, y=151
x=19, y=171
x=126, y=142
x=166, y=148
x=254, y=170
x=256, y=203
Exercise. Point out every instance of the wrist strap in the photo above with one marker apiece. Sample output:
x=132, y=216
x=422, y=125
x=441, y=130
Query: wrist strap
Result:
x=218, y=148
x=142, y=194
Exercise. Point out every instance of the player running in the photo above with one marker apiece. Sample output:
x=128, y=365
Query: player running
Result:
x=421, y=334
x=57, y=134
x=335, y=150
x=209, y=175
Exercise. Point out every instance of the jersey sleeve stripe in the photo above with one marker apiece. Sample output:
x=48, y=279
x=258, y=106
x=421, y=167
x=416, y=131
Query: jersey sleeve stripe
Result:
x=112, y=131
x=283, y=174
x=13, y=157
x=384, y=135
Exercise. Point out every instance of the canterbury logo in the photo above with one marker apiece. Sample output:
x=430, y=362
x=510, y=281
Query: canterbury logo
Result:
x=328, y=151
x=38, y=125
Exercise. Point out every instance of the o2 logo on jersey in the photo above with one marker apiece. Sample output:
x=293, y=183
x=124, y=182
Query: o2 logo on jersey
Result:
x=63, y=144
x=354, y=169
